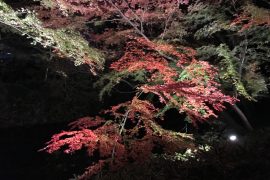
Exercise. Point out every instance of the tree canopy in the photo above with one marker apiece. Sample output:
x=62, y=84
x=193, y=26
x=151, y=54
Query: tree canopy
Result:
x=197, y=57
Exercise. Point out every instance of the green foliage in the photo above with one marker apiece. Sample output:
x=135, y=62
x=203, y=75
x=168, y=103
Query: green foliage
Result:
x=47, y=3
x=258, y=38
x=201, y=15
x=210, y=29
x=178, y=156
x=175, y=33
x=249, y=46
x=252, y=82
x=229, y=72
x=108, y=81
x=207, y=52
x=65, y=42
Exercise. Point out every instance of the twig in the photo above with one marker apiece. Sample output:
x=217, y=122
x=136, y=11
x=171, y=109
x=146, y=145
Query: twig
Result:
x=129, y=21
x=122, y=125
x=243, y=58
x=109, y=20
x=167, y=21
x=140, y=19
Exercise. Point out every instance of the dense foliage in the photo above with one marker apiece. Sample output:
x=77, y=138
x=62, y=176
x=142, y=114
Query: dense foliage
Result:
x=193, y=56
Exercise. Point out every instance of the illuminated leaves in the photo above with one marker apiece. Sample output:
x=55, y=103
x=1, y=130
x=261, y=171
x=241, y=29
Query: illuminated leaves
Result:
x=141, y=109
x=170, y=72
x=186, y=83
x=74, y=140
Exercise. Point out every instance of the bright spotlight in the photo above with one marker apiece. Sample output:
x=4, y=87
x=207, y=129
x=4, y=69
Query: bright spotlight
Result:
x=233, y=137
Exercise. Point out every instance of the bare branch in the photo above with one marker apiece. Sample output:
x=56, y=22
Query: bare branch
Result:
x=129, y=21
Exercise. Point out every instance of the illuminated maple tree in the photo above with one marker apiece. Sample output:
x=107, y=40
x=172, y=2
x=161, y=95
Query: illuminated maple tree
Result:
x=186, y=84
x=174, y=75
x=149, y=45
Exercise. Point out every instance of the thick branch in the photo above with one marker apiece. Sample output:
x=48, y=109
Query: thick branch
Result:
x=242, y=116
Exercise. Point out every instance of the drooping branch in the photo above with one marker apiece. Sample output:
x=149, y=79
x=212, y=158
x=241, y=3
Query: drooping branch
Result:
x=242, y=116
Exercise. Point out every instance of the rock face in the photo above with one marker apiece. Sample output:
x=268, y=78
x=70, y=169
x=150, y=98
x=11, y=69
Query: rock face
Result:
x=38, y=89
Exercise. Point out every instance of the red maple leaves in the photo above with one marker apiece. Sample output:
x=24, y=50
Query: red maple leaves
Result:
x=176, y=77
x=74, y=140
x=186, y=83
